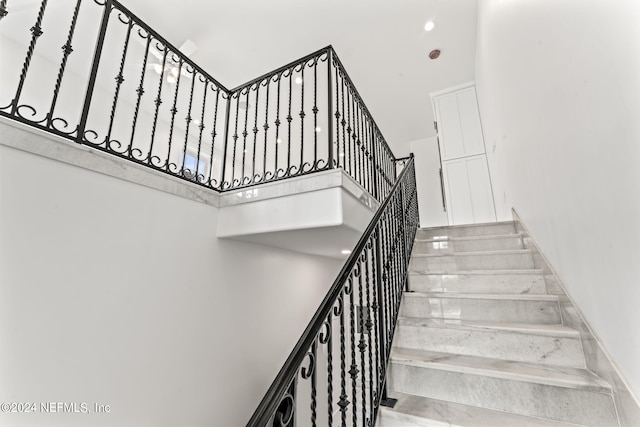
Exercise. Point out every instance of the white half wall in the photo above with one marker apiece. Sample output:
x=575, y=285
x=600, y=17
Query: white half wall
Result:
x=559, y=92
x=119, y=294
x=427, y=159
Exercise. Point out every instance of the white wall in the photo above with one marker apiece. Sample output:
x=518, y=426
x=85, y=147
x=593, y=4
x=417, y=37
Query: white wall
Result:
x=427, y=159
x=559, y=97
x=118, y=294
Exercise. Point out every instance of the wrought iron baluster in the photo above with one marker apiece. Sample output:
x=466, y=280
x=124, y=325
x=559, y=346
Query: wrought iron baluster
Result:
x=36, y=31
x=188, y=119
x=244, y=134
x=368, y=324
x=330, y=142
x=277, y=123
x=173, y=111
x=315, y=110
x=255, y=135
x=337, y=114
x=343, y=403
x=353, y=372
x=157, y=102
x=266, y=132
x=201, y=127
x=302, y=116
x=343, y=122
x=362, y=345
x=66, y=49
x=289, y=119
x=119, y=80
x=214, y=133
x=347, y=153
x=140, y=92
x=329, y=344
x=235, y=140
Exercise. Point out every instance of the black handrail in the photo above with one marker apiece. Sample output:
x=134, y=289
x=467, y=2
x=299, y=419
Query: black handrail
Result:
x=406, y=208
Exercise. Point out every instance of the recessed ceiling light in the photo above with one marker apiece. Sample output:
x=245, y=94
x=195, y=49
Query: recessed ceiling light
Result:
x=345, y=252
x=434, y=54
x=429, y=26
x=299, y=80
x=278, y=141
x=318, y=129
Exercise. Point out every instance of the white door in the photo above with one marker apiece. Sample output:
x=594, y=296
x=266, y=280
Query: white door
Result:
x=465, y=171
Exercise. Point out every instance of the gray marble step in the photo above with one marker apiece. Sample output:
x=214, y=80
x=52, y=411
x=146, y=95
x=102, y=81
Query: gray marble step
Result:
x=486, y=229
x=487, y=260
x=488, y=281
x=558, y=393
x=547, y=344
x=510, y=308
x=468, y=244
x=418, y=411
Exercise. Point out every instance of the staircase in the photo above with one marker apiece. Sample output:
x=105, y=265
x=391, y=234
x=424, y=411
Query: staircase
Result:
x=480, y=341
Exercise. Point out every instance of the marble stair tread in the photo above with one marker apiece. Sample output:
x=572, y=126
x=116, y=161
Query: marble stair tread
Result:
x=476, y=253
x=482, y=296
x=483, y=281
x=531, y=271
x=565, y=377
x=518, y=328
x=554, y=345
x=412, y=410
x=490, y=228
x=466, y=238
x=505, y=259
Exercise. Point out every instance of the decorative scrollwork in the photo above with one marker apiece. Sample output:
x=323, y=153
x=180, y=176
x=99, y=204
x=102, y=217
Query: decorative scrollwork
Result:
x=286, y=410
x=307, y=371
x=125, y=19
x=65, y=125
x=325, y=332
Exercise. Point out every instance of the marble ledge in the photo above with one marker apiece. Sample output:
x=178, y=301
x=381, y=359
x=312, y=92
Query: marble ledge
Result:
x=26, y=138
x=302, y=184
x=29, y=139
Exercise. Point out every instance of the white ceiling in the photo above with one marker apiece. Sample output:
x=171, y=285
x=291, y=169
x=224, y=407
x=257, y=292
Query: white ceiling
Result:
x=382, y=44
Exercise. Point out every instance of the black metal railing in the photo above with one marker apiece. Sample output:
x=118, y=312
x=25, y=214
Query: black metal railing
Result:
x=120, y=87
x=336, y=373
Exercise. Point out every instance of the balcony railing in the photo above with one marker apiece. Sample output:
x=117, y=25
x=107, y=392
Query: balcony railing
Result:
x=120, y=87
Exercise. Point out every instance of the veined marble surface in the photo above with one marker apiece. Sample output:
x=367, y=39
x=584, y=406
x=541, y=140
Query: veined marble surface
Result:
x=560, y=393
x=488, y=229
x=490, y=281
x=424, y=412
x=552, y=345
x=485, y=260
x=484, y=307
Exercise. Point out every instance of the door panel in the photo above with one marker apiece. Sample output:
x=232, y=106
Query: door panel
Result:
x=468, y=191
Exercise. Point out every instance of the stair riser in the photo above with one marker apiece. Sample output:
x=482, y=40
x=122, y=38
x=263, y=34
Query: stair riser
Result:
x=503, y=261
x=453, y=246
x=505, y=345
x=478, y=230
x=478, y=283
x=578, y=406
x=515, y=311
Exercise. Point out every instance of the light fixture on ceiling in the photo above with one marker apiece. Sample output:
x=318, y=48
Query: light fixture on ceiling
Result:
x=345, y=252
x=429, y=26
x=434, y=54
x=318, y=129
x=298, y=80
